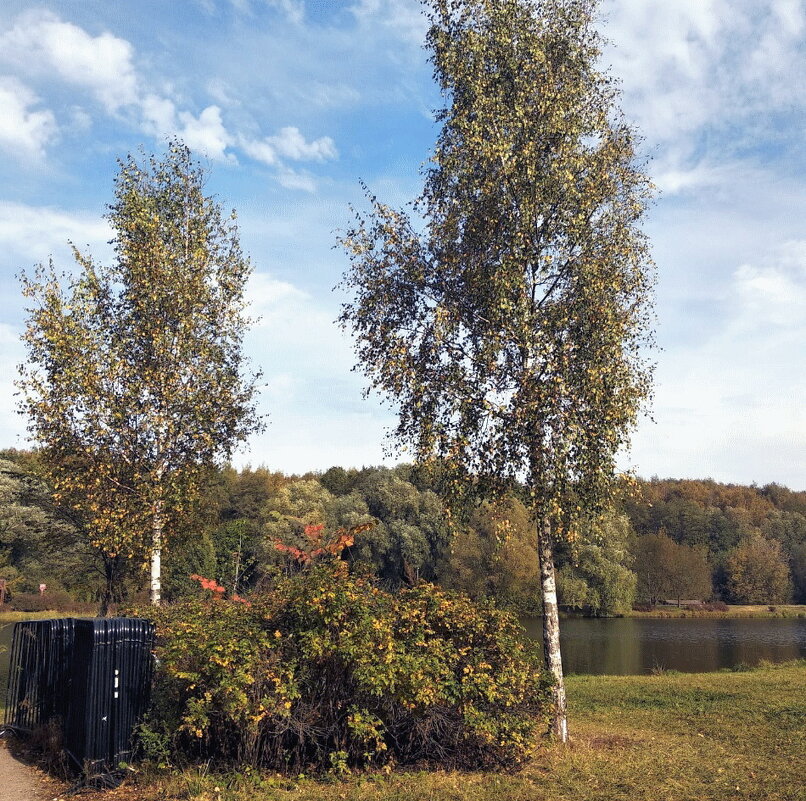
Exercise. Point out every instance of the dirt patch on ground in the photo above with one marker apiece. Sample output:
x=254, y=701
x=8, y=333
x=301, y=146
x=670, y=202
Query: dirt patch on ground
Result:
x=606, y=742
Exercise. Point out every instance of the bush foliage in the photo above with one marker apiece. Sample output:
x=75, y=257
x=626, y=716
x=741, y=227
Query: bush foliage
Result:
x=326, y=671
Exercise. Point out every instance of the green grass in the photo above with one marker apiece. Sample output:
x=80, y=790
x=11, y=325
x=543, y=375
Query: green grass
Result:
x=669, y=737
x=15, y=617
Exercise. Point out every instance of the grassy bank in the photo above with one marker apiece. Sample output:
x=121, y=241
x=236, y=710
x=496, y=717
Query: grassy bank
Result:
x=733, y=610
x=671, y=737
x=15, y=617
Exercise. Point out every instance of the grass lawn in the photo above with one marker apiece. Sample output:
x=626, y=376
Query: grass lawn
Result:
x=15, y=617
x=669, y=737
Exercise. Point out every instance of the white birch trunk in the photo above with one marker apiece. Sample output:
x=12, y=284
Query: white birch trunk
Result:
x=157, y=524
x=551, y=631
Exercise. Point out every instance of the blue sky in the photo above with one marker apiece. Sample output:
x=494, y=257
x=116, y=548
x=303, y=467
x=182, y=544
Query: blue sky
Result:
x=291, y=102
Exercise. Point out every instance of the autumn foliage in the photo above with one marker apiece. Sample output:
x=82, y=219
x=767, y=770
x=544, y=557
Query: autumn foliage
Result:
x=325, y=671
x=319, y=546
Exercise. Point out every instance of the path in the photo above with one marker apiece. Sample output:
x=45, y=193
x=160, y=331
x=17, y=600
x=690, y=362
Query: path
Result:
x=18, y=781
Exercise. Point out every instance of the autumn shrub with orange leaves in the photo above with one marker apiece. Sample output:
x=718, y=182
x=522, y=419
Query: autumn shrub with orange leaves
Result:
x=325, y=671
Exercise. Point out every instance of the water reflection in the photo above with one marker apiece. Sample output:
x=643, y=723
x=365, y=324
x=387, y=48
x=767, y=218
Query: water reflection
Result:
x=628, y=646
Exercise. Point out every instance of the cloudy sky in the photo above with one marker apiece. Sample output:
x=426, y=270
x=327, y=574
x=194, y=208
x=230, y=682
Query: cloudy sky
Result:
x=291, y=102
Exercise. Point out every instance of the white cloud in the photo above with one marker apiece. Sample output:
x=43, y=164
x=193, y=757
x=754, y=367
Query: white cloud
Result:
x=294, y=329
x=12, y=353
x=791, y=15
x=206, y=133
x=774, y=294
x=331, y=95
x=675, y=179
x=729, y=403
x=280, y=386
x=292, y=179
x=159, y=115
x=40, y=43
x=317, y=417
x=260, y=151
x=705, y=80
x=294, y=10
x=23, y=129
x=267, y=296
x=665, y=54
x=290, y=144
x=403, y=18
x=79, y=120
x=222, y=92
x=104, y=63
x=33, y=233
x=293, y=145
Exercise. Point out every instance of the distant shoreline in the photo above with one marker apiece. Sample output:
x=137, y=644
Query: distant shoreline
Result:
x=733, y=611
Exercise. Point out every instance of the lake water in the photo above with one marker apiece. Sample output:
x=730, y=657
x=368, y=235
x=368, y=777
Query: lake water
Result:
x=629, y=646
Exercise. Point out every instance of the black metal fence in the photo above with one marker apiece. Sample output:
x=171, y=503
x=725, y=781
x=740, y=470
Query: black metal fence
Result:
x=39, y=672
x=92, y=676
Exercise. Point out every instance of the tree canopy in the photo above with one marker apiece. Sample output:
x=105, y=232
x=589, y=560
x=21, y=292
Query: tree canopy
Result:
x=758, y=572
x=509, y=329
x=135, y=373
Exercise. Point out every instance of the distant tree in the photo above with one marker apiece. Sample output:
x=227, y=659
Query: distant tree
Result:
x=39, y=541
x=788, y=528
x=134, y=381
x=654, y=565
x=597, y=576
x=668, y=570
x=189, y=554
x=237, y=548
x=494, y=555
x=247, y=493
x=509, y=328
x=298, y=504
x=757, y=572
x=411, y=534
x=692, y=575
x=338, y=480
x=785, y=499
x=798, y=563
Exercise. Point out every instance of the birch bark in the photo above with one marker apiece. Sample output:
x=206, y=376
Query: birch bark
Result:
x=551, y=630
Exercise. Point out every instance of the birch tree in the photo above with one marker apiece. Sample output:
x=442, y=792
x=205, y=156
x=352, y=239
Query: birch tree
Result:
x=507, y=315
x=135, y=377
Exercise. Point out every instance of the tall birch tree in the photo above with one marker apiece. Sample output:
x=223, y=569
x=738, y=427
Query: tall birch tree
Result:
x=135, y=379
x=508, y=316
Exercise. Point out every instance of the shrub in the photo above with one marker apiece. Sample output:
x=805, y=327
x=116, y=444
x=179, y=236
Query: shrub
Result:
x=326, y=671
x=29, y=602
x=57, y=600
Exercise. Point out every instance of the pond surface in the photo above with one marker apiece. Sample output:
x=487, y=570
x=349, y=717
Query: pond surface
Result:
x=628, y=646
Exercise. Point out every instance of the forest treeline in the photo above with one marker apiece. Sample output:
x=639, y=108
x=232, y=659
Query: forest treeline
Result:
x=670, y=539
